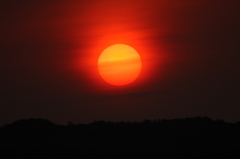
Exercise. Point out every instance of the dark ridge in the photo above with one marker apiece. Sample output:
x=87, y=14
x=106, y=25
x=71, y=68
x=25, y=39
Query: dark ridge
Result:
x=31, y=122
x=198, y=137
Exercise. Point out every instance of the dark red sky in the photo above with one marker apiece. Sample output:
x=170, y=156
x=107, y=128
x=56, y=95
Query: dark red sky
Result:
x=49, y=50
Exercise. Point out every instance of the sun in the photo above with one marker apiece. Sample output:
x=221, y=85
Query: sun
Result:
x=119, y=64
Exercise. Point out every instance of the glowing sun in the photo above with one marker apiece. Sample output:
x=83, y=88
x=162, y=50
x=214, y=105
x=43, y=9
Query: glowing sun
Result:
x=119, y=64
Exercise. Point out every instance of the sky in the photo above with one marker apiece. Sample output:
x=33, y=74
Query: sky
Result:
x=49, y=50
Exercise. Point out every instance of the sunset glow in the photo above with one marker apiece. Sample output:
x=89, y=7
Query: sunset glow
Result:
x=119, y=64
x=119, y=60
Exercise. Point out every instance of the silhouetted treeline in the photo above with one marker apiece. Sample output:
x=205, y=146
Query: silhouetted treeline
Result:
x=198, y=137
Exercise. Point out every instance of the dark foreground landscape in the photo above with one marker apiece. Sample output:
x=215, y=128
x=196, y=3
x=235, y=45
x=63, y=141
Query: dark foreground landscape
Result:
x=198, y=137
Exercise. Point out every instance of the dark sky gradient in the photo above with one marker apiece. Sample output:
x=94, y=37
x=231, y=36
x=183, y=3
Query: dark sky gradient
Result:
x=49, y=50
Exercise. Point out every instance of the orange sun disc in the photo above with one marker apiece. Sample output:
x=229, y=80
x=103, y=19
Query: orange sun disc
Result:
x=119, y=64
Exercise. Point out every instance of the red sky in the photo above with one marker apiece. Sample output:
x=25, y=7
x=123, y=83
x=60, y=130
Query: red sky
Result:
x=49, y=51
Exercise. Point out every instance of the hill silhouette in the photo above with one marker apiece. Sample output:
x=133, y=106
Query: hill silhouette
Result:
x=198, y=137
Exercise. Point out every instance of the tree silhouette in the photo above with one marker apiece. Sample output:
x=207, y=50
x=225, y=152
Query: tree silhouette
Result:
x=198, y=137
